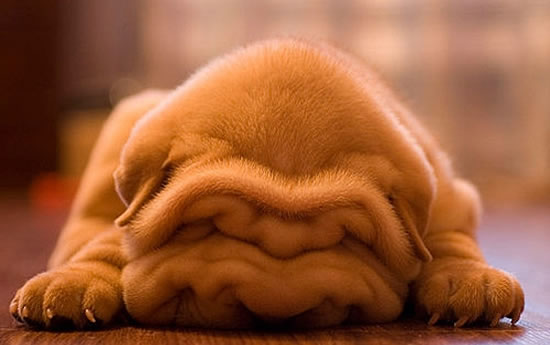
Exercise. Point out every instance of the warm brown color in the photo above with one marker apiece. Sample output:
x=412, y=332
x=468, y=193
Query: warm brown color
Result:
x=525, y=253
x=283, y=184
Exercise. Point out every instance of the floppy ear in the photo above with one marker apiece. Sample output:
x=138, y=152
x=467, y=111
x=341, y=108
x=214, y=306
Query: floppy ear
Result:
x=143, y=167
x=414, y=213
x=135, y=188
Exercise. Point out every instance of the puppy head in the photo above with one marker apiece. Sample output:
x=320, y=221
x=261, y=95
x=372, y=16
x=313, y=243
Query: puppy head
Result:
x=286, y=107
x=291, y=108
x=276, y=158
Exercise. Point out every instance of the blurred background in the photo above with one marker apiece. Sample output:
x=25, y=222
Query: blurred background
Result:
x=477, y=74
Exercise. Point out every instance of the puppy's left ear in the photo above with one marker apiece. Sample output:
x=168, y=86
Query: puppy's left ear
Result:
x=144, y=167
x=414, y=211
x=135, y=187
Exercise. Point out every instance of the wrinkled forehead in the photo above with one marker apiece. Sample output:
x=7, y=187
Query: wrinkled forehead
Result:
x=291, y=108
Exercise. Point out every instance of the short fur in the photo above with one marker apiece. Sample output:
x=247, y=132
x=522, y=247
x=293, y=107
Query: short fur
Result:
x=282, y=183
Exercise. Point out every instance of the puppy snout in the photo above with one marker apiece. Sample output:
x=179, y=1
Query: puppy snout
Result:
x=281, y=237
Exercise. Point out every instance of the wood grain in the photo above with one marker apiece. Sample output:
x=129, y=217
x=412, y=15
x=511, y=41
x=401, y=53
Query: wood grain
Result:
x=403, y=332
x=514, y=240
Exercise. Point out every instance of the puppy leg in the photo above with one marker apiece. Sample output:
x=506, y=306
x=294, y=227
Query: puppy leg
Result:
x=97, y=204
x=458, y=285
x=82, y=286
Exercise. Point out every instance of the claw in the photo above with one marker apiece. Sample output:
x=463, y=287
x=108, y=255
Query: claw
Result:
x=495, y=321
x=461, y=322
x=433, y=320
x=515, y=319
x=90, y=315
x=49, y=313
x=25, y=312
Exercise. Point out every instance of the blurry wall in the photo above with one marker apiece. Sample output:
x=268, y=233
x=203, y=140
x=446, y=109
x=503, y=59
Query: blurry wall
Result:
x=477, y=73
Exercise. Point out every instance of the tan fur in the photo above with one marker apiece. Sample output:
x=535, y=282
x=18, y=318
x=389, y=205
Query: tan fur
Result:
x=282, y=183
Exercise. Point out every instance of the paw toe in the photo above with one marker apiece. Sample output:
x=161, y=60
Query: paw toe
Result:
x=467, y=303
x=63, y=298
x=101, y=301
x=14, y=309
x=29, y=301
x=434, y=296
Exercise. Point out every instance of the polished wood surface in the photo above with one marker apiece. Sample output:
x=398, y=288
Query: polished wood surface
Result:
x=517, y=240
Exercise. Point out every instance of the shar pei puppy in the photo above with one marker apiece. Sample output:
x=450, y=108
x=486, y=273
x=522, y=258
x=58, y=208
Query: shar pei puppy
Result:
x=281, y=184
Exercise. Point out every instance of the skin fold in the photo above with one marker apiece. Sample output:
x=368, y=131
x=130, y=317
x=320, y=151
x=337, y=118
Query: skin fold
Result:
x=281, y=184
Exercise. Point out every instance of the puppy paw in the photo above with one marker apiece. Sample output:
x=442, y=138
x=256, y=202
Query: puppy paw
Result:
x=78, y=295
x=464, y=291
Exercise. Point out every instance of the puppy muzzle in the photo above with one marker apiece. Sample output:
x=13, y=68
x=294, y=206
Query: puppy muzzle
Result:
x=229, y=250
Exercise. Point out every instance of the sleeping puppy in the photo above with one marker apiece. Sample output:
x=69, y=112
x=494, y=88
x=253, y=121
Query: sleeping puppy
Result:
x=281, y=184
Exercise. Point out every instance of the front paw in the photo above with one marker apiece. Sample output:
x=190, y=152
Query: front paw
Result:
x=466, y=291
x=78, y=295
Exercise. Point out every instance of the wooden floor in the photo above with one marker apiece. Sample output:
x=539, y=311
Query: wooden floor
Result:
x=514, y=240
